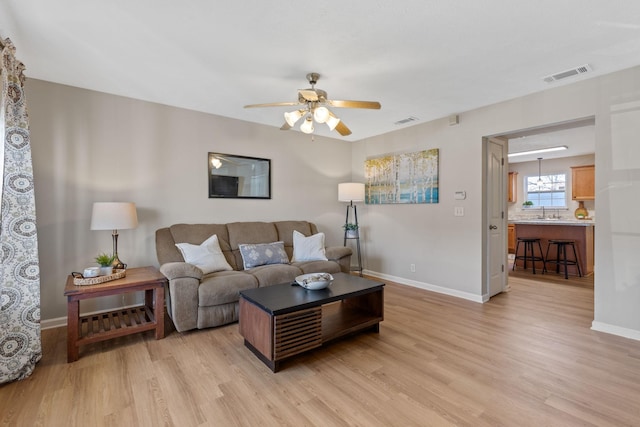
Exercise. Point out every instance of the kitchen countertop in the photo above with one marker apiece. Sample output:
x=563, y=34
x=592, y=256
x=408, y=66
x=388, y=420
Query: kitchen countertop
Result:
x=554, y=221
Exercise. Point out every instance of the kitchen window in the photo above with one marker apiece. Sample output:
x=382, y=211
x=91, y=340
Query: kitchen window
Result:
x=547, y=191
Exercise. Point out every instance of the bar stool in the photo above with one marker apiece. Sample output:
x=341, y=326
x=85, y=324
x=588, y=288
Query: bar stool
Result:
x=561, y=255
x=529, y=254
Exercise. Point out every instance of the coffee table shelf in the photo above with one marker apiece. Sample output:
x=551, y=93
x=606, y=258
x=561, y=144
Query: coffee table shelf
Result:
x=281, y=321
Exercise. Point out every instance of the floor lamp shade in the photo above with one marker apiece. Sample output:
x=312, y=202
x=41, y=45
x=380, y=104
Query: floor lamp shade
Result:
x=350, y=192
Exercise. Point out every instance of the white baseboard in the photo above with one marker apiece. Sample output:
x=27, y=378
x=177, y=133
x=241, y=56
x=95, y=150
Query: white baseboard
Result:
x=616, y=330
x=426, y=286
x=53, y=323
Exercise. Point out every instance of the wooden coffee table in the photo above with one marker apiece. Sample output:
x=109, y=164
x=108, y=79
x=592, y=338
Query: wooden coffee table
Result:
x=102, y=326
x=280, y=321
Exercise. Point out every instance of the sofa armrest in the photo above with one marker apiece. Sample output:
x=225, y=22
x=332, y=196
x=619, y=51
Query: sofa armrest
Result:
x=341, y=255
x=177, y=270
x=182, y=298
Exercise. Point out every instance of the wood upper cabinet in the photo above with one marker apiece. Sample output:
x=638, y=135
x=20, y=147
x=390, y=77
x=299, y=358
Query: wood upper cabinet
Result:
x=583, y=182
x=513, y=187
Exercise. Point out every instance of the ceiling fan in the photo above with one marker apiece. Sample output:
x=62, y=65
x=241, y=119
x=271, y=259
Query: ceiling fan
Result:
x=313, y=105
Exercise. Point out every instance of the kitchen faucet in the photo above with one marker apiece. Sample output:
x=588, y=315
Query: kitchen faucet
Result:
x=543, y=214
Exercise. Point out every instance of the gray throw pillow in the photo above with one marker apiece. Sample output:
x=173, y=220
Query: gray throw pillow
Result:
x=254, y=255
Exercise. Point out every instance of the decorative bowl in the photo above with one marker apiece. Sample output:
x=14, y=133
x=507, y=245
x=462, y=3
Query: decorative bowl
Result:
x=314, y=281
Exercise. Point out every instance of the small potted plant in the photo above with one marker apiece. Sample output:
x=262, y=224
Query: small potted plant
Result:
x=352, y=230
x=105, y=261
x=527, y=204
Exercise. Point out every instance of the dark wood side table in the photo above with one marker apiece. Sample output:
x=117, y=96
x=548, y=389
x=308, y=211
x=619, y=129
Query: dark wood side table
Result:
x=82, y=330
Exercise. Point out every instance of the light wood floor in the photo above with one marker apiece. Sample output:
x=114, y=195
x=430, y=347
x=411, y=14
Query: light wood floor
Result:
x=526, y=358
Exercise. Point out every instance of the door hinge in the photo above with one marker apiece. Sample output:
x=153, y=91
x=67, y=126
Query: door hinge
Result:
x=502, y=214
x=503, y=268
x=502, y=161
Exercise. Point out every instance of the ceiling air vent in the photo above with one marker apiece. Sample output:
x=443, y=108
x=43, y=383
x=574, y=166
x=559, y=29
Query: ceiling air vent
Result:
x=568, y=73
x=405, y=121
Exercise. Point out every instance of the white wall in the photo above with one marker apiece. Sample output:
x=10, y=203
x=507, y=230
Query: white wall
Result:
x=89, y=146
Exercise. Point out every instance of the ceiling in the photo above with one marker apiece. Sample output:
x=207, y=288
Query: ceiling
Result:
x=577, y=136
x=424, y=59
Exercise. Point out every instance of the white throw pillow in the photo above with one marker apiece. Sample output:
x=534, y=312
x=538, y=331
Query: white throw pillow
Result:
x=207, y=256
x=308, y=248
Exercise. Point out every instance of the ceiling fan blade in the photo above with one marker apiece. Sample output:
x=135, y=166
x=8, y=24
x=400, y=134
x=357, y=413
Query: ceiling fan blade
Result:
x=342, y=129
x=272, y=104
x=373, y=105
x=285, y=126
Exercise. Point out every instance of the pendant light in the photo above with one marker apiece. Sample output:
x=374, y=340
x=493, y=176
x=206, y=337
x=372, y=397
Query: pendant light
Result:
x=539, y=174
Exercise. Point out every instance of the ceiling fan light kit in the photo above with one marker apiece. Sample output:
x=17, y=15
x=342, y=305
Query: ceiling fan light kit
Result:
x=313, y=101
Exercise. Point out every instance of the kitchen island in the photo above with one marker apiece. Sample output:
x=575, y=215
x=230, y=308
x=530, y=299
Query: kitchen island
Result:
x=581, y=231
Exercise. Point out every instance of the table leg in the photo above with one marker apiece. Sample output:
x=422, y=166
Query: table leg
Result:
x=158, y=312
x=73, y=315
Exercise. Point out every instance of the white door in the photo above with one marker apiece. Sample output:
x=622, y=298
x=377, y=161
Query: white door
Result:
x=496, y=222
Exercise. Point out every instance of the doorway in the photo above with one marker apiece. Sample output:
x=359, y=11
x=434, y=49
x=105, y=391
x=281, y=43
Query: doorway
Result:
x=571, y=134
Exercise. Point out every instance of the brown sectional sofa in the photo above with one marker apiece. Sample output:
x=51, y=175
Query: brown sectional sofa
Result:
x=197, y=300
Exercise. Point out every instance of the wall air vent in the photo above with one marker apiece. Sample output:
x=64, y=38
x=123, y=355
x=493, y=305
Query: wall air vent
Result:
x=568, y=73
x=405, y=121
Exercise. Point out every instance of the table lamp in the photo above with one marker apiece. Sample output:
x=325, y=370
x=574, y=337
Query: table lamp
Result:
x=114, y=216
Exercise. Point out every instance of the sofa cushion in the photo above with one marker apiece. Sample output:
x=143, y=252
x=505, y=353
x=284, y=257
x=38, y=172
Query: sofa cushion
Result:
x=275, y=274
x=308, y=248
x=224, y=287
x=256, y=254
x=317, y=266
x=207, y=256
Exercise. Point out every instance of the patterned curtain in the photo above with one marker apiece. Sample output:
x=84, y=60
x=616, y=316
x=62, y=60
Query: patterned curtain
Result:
x=20, y=346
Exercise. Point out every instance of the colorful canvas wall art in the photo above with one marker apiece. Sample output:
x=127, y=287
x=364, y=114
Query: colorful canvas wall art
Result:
x=402, y=178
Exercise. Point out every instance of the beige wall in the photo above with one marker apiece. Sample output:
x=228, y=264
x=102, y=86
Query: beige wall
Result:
x=89, y=146
x=449, y=251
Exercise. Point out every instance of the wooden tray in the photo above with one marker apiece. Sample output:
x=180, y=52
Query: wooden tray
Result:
x=119, y=274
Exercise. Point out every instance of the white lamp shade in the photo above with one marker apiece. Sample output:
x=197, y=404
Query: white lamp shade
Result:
x=292, y=117
x=332, y=121
x=321, y=114
x=351, y=192
x=114, y=216
x=307, y=126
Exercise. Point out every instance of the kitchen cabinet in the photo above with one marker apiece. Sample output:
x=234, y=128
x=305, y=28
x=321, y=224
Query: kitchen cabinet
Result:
x=511, y=238
x=513, y=187
x=583, y=182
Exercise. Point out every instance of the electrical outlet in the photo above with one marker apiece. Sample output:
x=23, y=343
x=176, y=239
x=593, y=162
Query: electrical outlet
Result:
x=458, y=211
x=412, y=267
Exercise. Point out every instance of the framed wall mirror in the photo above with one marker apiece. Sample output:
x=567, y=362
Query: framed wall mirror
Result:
x=239, y=177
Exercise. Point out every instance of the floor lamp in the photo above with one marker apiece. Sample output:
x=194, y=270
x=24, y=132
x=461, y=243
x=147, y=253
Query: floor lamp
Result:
x=114, y=216
x=352, y=192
